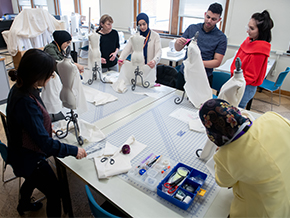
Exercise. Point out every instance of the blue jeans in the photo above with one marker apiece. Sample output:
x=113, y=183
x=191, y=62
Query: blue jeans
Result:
x=249, y=93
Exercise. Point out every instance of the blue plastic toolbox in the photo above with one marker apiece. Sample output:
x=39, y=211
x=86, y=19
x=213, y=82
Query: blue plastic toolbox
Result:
x=189, y=185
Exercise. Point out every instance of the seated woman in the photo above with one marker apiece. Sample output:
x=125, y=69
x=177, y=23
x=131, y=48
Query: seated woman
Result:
x=30, y=140
x=152, y=45
x=109, y=44
x=56, y=48
x=253, y=159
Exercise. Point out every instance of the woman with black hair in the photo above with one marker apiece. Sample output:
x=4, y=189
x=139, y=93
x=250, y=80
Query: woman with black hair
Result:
x=254, y=53
x=30, y=140
x=57, y=47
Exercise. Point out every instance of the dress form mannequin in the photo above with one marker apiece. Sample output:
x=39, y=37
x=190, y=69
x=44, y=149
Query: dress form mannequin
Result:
x=137, y=57
x=233, y=90
x=94, y=56
x=67, y=75
x=195, y=76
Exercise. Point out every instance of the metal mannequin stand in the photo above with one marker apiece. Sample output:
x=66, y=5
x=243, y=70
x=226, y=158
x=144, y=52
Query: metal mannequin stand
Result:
x=96, y=69
x=137, y=72
x=71, y=118
x=177, y=100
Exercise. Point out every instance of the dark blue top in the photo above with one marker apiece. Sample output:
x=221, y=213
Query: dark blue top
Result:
x=24, y=114
x=209, y=43
x=108, y=44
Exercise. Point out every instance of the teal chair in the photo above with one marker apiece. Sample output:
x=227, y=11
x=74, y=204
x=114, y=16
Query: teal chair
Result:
x=273, y=86
x=96, y=209
x=219, y=79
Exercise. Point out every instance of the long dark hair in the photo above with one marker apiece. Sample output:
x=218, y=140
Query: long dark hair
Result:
x=35, y=65
x=264, y=24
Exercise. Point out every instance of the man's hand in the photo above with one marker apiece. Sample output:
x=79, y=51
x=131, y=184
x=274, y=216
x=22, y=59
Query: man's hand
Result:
x=180, y=43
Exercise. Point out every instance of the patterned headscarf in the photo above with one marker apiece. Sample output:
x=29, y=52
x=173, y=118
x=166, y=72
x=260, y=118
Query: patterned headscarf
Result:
x=221, y=120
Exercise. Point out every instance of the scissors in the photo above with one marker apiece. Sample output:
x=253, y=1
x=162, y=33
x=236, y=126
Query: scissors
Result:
x=112, y=161
x=174, y=185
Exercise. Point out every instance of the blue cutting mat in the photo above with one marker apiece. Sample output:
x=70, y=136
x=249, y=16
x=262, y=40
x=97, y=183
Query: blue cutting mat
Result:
x=172, y=138
x=95, y=113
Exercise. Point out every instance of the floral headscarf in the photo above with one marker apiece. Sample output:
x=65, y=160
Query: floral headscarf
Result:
x=221, y=120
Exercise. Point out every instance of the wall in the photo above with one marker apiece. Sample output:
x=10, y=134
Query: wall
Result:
x=239, y=14
x=6, y=7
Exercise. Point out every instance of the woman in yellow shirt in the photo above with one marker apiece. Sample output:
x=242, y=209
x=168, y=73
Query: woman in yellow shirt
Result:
x=253, y=159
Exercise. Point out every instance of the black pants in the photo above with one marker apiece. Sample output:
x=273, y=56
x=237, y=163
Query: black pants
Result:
x=180, y=81
x=43, y=178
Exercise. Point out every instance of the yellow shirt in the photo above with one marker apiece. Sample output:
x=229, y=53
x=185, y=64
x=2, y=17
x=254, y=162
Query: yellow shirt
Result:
x=257, y=167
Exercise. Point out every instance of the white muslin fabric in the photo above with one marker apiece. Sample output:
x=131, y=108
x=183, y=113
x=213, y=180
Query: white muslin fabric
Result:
x=208, y=150
x=196, y=83
x=122, y=162
x=97, y=97
x=31, y=28
x=89, y=132
x=233, y=90
x=50, y=95
x=196, y=125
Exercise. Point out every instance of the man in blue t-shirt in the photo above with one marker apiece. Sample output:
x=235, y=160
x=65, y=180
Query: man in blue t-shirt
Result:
x=211, y=41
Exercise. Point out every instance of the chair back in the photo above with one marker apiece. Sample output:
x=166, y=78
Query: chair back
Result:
x=96, y=209
x=219, y=78
x=281, y=77
x=3, y=151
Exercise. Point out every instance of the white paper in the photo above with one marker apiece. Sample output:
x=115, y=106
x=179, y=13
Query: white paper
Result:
x=184, y=115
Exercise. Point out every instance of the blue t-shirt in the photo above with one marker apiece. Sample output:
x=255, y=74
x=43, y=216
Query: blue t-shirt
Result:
x=209, y=43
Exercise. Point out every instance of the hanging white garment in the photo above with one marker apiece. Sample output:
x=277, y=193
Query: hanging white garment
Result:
x=30, y=23
x=72, y=93
x=50, y=95
x=122, y=162
x=196, y=83
x=94, y=56
x=233, y=90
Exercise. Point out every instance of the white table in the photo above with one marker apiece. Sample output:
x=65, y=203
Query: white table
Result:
x=176, y=59
x=226, y=67
x=124, y=195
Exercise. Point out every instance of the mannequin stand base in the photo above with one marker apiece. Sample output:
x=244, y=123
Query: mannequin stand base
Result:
x=178, y=100
x=71, y=118
x=139, y=73
x=96, y=69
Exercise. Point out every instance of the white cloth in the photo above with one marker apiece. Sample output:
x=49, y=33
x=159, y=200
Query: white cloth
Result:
x=196, y=125
x=196, y=86
x=127, y=74
x=233, y=90
x=31, y=28
x=89, y=132
x=97, y=97
x=208, y=150
x=50, y=95
x=122, y=161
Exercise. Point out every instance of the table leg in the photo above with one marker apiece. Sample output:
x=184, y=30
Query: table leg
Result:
x=65, y=194
x=170, y=63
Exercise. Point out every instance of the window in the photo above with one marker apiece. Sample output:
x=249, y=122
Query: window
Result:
x=24, y=4
x=40, y=4
x=158, y=19
x=174, y=16
x=95, y=11
x=66, y=7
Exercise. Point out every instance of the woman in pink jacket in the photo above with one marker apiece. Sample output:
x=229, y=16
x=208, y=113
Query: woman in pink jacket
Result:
x=254, y=53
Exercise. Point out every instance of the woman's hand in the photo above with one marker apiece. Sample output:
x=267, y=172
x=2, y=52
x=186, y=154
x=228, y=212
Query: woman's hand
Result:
x=120, y=62
x=103, y=61
x=152, y=64
x=81, y=153
x=112, y=56
x=80, y=67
